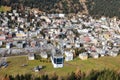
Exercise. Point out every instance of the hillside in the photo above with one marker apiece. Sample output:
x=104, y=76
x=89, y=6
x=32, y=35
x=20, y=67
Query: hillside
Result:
x=15, y=67
x=96, y=8
x=49, y=6
x=108, y=8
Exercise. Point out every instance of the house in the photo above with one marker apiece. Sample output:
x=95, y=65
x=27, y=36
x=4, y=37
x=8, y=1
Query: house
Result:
x=1, y=43
x=2, y=37
x=77, y=45
x=102, y=53
x=33, y=34
x=8, y=45
x=83, y=56
x=61, y=15
x=56, y=15
x=93, y=48
x=117, y=42
x=86, y=39
x=57, y=60
x=31, y=56
x=33, y=43
x=73, y=20
x=68, y=45
x=20, y=45
x=21, y=35
x=44, y=55
x=68, y=56
x=46, y=19
x=106, y=36
x=84, y=31
x=94, y=55
x=113, y=53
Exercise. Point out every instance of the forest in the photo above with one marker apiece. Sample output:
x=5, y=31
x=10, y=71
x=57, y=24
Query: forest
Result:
x=108, y=8
x=105, y=74
x=49, y=6
x=96, y=8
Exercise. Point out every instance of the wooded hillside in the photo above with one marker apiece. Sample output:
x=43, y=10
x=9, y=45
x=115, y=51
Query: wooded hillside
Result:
x=96, y=8
x=49, y=6
x=109, y=8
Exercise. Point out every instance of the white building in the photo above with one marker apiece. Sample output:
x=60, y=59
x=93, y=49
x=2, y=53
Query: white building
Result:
x=0, y=43
x=68, y=56
x=44, y=55
x=77, y=45
x=113, y=53
x=95, y=55
x=8, y=45
x=31, y=56
x=83, y=56
x=57, y=59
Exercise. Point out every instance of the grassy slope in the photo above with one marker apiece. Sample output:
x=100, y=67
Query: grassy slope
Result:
x=97, y=64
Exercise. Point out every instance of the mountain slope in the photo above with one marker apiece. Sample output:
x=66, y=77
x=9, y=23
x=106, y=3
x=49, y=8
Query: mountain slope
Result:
x=108, y=8
x=50, y=6
x=95, y=8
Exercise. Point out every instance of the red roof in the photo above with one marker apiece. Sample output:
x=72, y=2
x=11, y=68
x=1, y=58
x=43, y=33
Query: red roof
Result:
x=86, y=39
x=2, y=37
x=93, y=48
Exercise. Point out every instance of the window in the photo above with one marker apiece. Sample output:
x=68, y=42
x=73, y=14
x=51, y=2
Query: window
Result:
x=55, y=60
x=59, y=60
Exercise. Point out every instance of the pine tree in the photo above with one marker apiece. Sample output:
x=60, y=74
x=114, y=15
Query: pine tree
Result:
x=54, y=77
x=44, y=77
x=71, y=76
x=17, y=77
x=11, y=77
